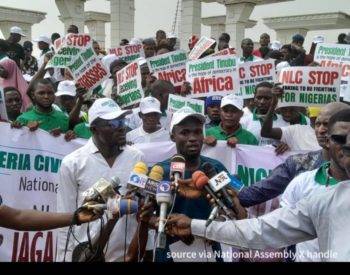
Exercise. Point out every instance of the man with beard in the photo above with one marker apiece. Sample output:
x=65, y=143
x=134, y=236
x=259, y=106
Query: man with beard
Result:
x=105, y=155
x=186, y=130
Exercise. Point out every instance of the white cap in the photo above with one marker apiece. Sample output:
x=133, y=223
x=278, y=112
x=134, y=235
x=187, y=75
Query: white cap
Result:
x=318, y=39
x=135, y=41
x=233, y=100
x=43, y=38
x=105, y=108
x=17, y=30
x=27, y=77
x=276, y=45
x=150, y=104
x=281, y=65
x=183, y=113
x=171, y=35
x=66, y=87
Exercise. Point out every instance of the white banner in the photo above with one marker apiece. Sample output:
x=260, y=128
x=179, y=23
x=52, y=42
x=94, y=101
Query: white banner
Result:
x=3, y=111
x=201, y=46
x=29, y=164
x=128, y=53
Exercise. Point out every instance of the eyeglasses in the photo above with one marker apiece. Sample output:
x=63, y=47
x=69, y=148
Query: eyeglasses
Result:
x=340, y=139
x=346, y=150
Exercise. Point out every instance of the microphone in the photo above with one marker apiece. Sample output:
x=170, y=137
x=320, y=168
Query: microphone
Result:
x=164, y=198
x=218, y=183
x=201, y=181
x=154, y=177
x=177, y=168
x=101, y=191
x=120, y=206
x=138, y=179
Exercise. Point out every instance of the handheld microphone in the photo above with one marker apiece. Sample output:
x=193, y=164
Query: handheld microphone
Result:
x=177, y=168
x=218, y=183
x=138, y=178
x=120, y=206
x=101, y=190
x=201, y=181
x=154, y=177
x=163, y=198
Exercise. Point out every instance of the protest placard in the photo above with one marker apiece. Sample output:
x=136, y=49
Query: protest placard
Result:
x=201, y=46
x=228, y=51
x=129, y=85
x=309, y=86
x=3, y=112
x=213, y=76
x=169, y=66
x=252, y=73
x=336, y=55
x=176, y=102
x=128, y=53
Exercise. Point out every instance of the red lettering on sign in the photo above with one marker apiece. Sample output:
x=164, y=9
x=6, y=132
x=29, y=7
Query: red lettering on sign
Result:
x=177, y=76
x=241, y=72
x=322, y=78
x=92, y=76
x=204, y=85
x=291, y=77
x=260, y=70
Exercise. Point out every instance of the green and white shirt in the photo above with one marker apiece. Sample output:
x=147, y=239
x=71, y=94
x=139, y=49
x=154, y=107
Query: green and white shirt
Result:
x=306, y=185
x=253, y=123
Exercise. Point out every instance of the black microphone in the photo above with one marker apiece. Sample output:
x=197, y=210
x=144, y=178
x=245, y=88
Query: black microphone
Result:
x=218, y=184
x=177, y=168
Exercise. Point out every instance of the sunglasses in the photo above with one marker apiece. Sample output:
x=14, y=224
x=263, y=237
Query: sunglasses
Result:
x=114, y=123
x=340, y=139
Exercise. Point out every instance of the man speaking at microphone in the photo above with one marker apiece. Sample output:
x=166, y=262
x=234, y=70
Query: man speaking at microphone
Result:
x=105, y=155
x=186, y=130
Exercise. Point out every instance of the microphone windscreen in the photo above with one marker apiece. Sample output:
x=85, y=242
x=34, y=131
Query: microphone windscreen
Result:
x=201, y=182
x=140, y=168
x=196, y=175
x=177, y=158
x=156, y=173
x=209, y=169
x=115, y=181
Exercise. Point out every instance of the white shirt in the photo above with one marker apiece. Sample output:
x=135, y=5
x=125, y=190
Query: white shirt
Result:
x=300, y=137
x=140, y=136
x=79, y=171
x=302, y=186
x=324, y=215
x=254, y=126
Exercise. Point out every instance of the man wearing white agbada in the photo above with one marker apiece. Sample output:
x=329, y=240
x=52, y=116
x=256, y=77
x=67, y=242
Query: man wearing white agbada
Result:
x=150, y=130
x=105, y=155
x=325, y=215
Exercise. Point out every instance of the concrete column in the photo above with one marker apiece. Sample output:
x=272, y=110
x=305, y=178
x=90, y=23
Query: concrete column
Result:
x=285, y=36
x=122, y=20
x=95, y=22
x=237, y=17
x=190, y=21
x=24, y=19
x=72, y=13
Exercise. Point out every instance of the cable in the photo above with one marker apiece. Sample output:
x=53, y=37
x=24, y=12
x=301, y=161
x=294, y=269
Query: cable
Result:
x=125, y=233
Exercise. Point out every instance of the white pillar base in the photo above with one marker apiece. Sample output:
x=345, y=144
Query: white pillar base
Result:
x=72, y=13
x=285, y=36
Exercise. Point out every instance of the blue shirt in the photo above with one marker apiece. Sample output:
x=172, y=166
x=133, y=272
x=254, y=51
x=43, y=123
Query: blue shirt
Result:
x=281, y=176
x=193, y=208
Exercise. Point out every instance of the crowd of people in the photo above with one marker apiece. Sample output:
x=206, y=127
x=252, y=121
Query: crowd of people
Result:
x=312, y=186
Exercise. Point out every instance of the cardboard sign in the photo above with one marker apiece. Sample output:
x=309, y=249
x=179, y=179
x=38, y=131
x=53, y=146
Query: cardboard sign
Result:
x=129, y=85
x=228, y=51
x=201, y=46
x=213, y=76
x=252, y=73
x=176, y=102
x=336, y=55
x=309, y=86
x=128, y=53
x=3, y=112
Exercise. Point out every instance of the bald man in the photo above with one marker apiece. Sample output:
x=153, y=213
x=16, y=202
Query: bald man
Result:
x=280, y=177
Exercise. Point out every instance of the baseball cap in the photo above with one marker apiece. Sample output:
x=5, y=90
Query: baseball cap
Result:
x=182, y=114
x=105, y=108
x=17, y=30
x=43, y=38
x=276, y=45
x=66, y=87
x=214, y=100
x=150, y=104
x=233, y=100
